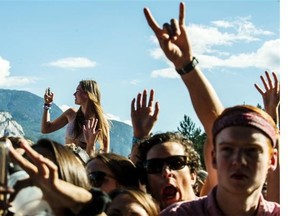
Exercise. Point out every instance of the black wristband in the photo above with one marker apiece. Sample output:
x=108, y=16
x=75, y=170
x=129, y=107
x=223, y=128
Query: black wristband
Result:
x=189, y=67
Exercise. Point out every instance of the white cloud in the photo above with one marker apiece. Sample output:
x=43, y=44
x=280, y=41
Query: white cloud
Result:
x=112, y=117
x=222, y=23
x=157, y=53
x=64, y=107
x=208, y=43
x=6, y=80
x=72, y=63
x=242, y=26
x=166, y=72
x=117, y=118
x=266, y=57
x=134, y=82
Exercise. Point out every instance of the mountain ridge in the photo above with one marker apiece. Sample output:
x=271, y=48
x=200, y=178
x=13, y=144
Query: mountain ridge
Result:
x=26, y=109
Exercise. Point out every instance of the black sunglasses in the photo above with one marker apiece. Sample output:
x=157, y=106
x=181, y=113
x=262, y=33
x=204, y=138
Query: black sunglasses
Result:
x=154, y=166
x=97, y=178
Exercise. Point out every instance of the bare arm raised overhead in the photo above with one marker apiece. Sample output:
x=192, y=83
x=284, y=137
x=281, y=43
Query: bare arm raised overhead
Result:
x=174, y=41
x=270, y=95
x=271, y=100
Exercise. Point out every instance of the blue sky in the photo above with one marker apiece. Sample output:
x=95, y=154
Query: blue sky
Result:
x=59, y=43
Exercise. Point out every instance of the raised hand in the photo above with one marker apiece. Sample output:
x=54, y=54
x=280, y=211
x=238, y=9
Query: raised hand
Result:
x=270, y=94
x=48, y=96
x=44, y=174
x=173, y=38
x=143, y=116
x=91, y=134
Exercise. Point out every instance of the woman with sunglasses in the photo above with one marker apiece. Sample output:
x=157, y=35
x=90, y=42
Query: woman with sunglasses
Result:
x=108, y=171
x=86, y=125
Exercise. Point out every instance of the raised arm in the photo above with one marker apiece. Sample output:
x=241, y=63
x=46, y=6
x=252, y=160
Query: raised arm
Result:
x=143, y=118
x=46, y=125
x=270, y=95
x=271, y=100
x=44, y=174
x=174, y=41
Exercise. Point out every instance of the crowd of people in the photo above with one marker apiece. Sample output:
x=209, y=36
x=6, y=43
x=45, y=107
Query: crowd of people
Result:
x=163, y=174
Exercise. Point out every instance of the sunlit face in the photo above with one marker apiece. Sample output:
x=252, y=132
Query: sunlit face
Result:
x=80, y=95
x=125, y=205
x=170, y=186
x=242, y=159
x=109, y=181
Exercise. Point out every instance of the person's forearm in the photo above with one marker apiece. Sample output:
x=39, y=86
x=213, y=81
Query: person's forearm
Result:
x=203, y=97
x=68, y=195
x=90, y=149
x=45, y=121
x=207, y=107
x=273, y=112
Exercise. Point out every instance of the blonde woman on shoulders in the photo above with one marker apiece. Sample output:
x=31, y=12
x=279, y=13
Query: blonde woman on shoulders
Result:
x=85, y=126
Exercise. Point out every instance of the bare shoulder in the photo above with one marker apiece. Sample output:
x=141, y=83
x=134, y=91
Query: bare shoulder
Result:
x=70, y=113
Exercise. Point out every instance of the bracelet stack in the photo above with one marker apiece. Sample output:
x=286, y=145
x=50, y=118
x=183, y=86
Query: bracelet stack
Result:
x=47, y=106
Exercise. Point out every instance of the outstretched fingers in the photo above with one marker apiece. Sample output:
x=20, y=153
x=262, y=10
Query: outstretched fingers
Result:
x=23, y=162
x=144, y=98
x=276, y=81
x=182, y=14
x=151, y=21
x=259, y=89
x=151, y=98
x=133, y=105
x=156, y=110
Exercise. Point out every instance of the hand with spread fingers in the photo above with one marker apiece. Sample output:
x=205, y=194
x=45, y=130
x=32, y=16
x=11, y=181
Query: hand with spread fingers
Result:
x=143, y=116
x=173, y=38
x=270, y=94
x=43, y=173
x=91, y=134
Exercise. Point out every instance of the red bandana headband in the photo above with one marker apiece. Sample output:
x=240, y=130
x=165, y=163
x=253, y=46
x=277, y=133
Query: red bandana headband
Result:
x=240, y=118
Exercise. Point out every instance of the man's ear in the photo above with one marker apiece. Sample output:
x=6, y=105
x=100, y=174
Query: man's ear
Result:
x=213, y=156
x=193, y=178
x=273, y=160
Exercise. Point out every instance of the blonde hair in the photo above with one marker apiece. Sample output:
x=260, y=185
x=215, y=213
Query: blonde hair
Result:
x=92, y=89
x=148, y=203
x=69, y=168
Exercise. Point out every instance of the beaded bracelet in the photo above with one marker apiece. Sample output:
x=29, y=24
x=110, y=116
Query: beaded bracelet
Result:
x=47, y=106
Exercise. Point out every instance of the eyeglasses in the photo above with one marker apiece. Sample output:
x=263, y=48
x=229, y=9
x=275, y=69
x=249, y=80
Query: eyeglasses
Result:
x=154, y=166
x=97, y=178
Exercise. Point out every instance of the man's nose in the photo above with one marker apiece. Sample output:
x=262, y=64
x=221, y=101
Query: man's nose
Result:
x=166, y=171
x=239, y=157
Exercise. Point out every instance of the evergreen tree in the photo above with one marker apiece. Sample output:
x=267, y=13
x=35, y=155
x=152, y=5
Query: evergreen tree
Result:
x=188, y=129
